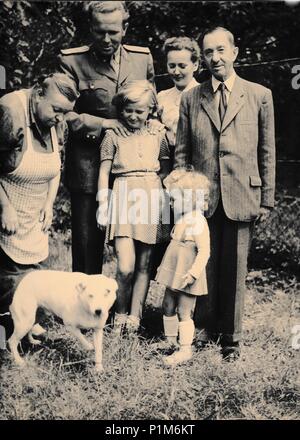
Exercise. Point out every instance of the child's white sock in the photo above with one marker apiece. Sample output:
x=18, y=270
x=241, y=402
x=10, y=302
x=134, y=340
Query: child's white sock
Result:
x=132, y=323
x=119, y=323
x=171, y=328
x=186, y=336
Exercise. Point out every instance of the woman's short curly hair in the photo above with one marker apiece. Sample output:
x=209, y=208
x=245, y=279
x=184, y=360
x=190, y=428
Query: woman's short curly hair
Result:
x=182, y=43
x=65, y=85
x=133, y=92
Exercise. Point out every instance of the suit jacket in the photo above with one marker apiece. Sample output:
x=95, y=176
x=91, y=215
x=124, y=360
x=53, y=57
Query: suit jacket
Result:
x=239, y=157
x=97, y=83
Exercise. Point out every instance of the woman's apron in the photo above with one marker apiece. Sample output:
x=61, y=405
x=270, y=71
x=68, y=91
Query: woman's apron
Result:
x=27, y=188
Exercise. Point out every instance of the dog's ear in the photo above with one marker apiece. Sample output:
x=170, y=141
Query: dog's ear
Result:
x=106, y=292
x=110, y=282
x=113, y=286
x=80, y=287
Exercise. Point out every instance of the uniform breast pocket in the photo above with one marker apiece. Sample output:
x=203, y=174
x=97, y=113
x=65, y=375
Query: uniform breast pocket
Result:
x=95, y=96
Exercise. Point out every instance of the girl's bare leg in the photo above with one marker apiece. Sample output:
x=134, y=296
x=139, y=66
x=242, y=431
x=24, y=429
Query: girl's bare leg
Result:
x=186, y=305
x=170, y=318
x=144, y=253
x=125, y=251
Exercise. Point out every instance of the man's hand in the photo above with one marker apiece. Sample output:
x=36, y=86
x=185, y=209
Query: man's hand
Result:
x=263, y=214
x=116, y=126
x=46, y=216
x=154, y=126
x=9, y=219
x=187, y=280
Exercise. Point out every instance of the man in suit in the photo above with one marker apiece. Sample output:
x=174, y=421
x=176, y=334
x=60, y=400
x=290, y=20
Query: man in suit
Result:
x=226, y=131
x=99, y=70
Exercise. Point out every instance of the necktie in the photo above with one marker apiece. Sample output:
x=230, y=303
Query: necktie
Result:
x=223, y=102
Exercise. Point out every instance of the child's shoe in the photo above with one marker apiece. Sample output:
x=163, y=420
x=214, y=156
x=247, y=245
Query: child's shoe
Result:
x=178, y=357
x=165, y=345
x=119, y=325
x=169, y=343
x=185, y=353
x=132, y=325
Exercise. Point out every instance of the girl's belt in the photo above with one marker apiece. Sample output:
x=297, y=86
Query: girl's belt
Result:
x=137, y=174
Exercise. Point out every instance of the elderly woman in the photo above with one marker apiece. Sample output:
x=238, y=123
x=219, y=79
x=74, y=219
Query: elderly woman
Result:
x=182, y=56
x=32, y=131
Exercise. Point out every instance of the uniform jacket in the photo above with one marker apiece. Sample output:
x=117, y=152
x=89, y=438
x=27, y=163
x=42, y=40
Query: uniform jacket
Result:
x=239, y=158
x=97, y=83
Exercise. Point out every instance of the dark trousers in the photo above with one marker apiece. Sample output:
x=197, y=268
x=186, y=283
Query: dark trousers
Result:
x=11, y=273
x=87, y=239
x=226, y=274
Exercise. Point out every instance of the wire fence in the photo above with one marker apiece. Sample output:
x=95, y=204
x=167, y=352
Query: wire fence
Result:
x=280, y=62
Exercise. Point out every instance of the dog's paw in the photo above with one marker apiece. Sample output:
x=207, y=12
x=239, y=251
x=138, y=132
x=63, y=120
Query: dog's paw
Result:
x=38, y=330
x=99, y=368
x=21, y=363
x=34, y=341
x=88, y=346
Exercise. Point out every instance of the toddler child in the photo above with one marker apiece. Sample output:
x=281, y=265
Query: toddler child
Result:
x=182, y=270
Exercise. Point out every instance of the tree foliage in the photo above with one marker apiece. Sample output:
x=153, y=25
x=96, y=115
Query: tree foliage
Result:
x=32, y=33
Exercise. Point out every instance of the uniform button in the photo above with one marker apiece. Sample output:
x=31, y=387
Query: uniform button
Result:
x=87, y=136
x=221, y=154
x=93, y=137
x=92, y=85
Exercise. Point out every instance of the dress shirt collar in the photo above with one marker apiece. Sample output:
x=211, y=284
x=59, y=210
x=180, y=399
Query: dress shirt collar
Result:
x=229, y=83
x=116, y=56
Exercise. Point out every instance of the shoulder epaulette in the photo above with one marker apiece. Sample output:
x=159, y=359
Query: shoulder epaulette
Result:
x=75, y=50
x=138, y=49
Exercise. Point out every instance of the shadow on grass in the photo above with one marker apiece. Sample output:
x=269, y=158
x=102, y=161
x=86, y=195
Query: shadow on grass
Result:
x=152, y=325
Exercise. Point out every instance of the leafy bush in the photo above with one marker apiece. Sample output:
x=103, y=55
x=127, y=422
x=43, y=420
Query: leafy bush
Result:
x=276, y=243
x=32, y=34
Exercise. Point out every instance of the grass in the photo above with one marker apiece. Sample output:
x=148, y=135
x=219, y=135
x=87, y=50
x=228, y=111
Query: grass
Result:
x=264, y=383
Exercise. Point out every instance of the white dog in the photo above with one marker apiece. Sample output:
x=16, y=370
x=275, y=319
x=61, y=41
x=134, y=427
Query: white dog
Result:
x=80, y=300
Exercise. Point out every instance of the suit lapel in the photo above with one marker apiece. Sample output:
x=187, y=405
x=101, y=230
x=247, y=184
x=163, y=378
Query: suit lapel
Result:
x=125, y=67
x=208, y=102
x=236, y=102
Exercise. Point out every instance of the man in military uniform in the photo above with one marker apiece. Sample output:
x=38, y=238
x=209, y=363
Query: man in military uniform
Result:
x=99, y=70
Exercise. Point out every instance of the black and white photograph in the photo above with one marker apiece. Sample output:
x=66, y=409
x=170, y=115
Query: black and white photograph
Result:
x=149, y=213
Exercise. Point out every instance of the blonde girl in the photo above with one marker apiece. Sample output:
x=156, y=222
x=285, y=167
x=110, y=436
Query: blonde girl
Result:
x=134, y=225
